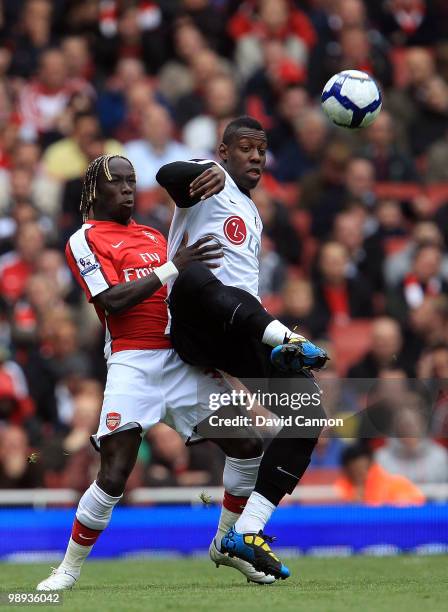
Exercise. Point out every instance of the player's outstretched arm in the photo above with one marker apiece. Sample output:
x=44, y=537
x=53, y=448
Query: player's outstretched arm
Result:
x=188, y=183
x=123, y=296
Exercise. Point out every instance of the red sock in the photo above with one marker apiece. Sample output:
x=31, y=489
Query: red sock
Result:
x=83, y=535
x=234, y=503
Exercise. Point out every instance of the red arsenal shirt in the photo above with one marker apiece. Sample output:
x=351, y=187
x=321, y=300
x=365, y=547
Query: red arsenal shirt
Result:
x=102, y=254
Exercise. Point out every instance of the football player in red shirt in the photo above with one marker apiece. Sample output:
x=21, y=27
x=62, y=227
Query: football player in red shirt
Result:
x=123, y=269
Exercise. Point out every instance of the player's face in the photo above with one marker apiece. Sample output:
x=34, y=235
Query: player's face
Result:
x=115, y=201
x=245, y=157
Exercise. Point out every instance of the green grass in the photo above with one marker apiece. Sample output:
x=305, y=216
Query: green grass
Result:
x=388, y=584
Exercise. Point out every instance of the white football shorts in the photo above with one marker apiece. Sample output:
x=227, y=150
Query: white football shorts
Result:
x=146, y=387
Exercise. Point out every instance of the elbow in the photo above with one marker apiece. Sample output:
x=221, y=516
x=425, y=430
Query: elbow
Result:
x=111, y=304
x=162, y=175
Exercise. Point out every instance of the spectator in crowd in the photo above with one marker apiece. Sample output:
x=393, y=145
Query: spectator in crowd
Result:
x=423, y=280
x=411, y=453
x=16, y=405
x=366, y=482
x=43, y=100
x=204, y=67
x=323, y=191
x=138, y=98
x=426, y=326
x=358, y=183
x=407, y=22
x=270, y=20
x=111, y=104
x=45, y=190
x=391, y=164
x=272, y=269
x=68, y=158
x=299, y=309
x=34, y=36
x=175, y=78
x=17, y=266
x=156, y=148
x=432, y=369
x=366, y=255
x=277, y=226
x=338, y=296
x=293, y=101
x=380, y=399
x=302, y=155
x=77, y=57
x=221, y=103
x=132, y=31
x=19, y=468
x=384, y=352
x=398, y=264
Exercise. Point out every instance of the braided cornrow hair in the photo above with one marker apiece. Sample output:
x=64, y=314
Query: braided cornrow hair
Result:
x=90, y=181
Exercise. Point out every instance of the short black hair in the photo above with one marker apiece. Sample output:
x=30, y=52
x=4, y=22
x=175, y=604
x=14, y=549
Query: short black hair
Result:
x=241, y=122
x=353, y=452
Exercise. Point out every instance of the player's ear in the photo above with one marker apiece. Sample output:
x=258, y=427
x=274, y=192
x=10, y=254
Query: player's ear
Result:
x=222, y=150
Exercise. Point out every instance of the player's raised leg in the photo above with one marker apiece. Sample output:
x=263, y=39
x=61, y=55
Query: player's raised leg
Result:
x=118, y=455
x=199, y=299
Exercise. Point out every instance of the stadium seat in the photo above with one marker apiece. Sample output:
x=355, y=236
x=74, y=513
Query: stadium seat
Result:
x=350, y=342
x=438, y=194
x=397, y=191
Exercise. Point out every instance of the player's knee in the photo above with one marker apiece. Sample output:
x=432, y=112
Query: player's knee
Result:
x=248, y=447
x=252, y=447
x=192, y=279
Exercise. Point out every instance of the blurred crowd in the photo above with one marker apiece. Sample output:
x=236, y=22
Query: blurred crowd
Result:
x=355, y=241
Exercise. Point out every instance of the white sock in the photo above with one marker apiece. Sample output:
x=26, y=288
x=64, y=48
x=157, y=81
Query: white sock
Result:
x=275, y=333
x=240, y=475
x=239, y=479
x=226, y=521
x=256, y=514
x=95, y=507
x=75, y=555
x=94, y=512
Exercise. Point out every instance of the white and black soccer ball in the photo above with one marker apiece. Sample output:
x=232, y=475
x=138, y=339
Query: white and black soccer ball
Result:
x=351, y=99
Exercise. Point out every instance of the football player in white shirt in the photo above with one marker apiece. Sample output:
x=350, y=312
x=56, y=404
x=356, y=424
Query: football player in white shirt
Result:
x=217, y=319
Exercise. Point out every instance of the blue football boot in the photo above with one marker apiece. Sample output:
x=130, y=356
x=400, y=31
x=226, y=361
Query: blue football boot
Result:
x=254, y=548
x=297, y=354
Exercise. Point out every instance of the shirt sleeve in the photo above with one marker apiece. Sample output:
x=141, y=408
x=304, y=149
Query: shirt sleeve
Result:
x=176, y=178
x=93, y=270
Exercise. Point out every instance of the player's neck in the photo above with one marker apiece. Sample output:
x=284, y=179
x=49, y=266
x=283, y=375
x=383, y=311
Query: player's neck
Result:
x=104, y=217
x=235, y=180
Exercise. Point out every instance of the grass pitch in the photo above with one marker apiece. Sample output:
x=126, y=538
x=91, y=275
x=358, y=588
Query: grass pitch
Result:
x=370, y=584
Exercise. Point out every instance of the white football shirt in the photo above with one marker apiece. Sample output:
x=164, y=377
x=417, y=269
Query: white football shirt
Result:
x=232, y=217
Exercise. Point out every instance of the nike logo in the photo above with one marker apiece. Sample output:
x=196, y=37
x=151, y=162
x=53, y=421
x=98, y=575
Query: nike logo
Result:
x=280, y=469
x=115, y=246
x=86, y=537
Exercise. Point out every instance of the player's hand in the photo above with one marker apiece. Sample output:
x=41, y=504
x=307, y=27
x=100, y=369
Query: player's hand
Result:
x=209, y=183
x=205, y=249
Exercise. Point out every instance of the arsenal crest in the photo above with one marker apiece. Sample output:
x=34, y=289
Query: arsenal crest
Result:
x=113, y=420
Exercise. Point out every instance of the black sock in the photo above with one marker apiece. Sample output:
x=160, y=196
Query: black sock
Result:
x=283, y=465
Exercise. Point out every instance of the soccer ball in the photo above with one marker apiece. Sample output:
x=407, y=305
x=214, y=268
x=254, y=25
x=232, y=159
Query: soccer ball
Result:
x=351, y=99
